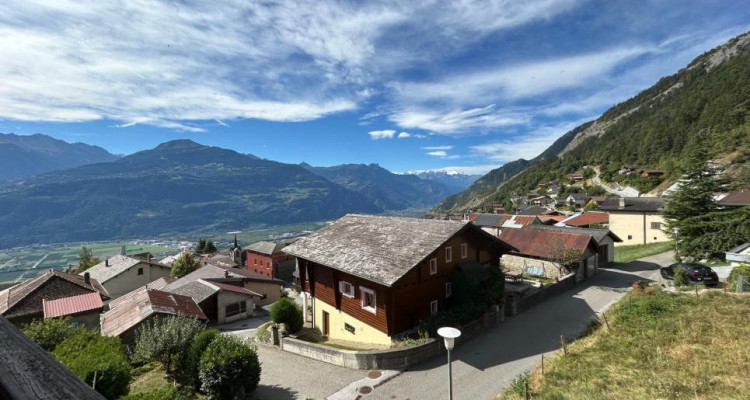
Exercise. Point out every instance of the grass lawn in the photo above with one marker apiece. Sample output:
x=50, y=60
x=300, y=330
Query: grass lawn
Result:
x=660, y=346
x=626, y=254
x=155, y=384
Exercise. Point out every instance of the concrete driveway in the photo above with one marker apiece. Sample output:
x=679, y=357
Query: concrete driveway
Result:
x=484, y=366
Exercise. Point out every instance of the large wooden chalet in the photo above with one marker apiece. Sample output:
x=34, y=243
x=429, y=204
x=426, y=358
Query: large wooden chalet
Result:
x=370, y=278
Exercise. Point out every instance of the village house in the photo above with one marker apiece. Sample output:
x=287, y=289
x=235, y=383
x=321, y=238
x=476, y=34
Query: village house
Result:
x=587, y=219
x=637, y=220
x=127, y=313
x=604, y=238
x=82, y=310
x=122, y=274
x=268, y=290
x=575, y=177
x=542, y=201
x=368, y=278
x=494, y=223
x=532, y=210
x=577, y=199
x=626, y=169
x=550, y=254
x=645, y=173
x=24, y=302
x=267, y=258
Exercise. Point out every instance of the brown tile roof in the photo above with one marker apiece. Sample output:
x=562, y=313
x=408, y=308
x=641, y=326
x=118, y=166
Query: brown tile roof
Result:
x=738, y=198
x=133, y=308
x=546, y=244
x=588, y=218
x=27, y=298
x=72, y=305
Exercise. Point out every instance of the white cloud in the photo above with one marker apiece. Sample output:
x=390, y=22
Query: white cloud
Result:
x=437, y=153
x=404, y=135
x=463, y=169
x=437, y=148
x=456, y=121
x=526, y=146
x=384, y=134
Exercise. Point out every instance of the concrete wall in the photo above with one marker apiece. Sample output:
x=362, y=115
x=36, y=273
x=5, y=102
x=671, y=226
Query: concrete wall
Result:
x=272, y=291
x=337, y=320
x=393, y=358
x=514, y=305
x=224, y=298
x=129, y=279
x=516, y=264
x=629, y=226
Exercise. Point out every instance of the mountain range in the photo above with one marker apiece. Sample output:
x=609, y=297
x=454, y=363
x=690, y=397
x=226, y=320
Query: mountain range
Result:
x=182, y=186
x=707, y=103
x=26, y=155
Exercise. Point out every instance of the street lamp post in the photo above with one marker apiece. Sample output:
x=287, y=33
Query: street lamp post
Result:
x=449, y=336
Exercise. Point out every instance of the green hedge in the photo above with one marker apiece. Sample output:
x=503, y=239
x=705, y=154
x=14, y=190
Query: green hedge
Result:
x=229, y=369
x=286, y=311
x=742, y=269
x=50, y=332
x=190, y=360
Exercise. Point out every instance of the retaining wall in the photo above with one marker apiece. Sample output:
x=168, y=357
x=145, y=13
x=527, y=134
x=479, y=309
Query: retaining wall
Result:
x=400, y=358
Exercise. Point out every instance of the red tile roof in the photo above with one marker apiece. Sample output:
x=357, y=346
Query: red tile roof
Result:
x=546, y=244
x=589, y=218
x=128, y=311
x=72, y=305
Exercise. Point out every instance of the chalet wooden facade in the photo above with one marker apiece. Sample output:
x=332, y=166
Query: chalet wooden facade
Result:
x=371, y=278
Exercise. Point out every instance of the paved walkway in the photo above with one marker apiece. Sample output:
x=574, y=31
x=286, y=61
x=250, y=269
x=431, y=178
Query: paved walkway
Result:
x=482, y=367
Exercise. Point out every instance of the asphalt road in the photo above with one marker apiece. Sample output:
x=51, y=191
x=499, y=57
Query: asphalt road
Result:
x=483, y=366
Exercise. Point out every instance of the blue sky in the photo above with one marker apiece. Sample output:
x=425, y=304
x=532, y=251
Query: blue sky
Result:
x=463, y=85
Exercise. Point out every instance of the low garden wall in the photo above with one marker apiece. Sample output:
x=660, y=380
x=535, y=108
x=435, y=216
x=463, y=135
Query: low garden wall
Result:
x=400, y=358
x=515, y=305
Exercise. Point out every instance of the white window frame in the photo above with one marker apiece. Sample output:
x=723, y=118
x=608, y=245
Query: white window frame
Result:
x=464, y=250
x=448, y=254
x=434, y=307
x=348, y=293
x=433, y=266
x=365, y=291
x=448, y=290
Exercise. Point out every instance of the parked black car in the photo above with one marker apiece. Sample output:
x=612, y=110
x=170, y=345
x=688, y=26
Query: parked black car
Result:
x=697, y=273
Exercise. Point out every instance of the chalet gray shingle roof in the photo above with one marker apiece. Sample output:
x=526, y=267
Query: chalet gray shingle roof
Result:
x=211, y=272
x=633, y=204
x=114, y=266
x=268, y=248
x=379, y=249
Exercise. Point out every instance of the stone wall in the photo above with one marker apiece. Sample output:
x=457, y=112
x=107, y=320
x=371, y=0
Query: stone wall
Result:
x=516, y=265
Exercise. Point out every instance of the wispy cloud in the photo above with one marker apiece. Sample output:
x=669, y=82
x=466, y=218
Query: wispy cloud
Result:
x=437, y=148
x=384, y=134
x=456, y=121
x=437, y=153
x=404, y=135
x=463, y=169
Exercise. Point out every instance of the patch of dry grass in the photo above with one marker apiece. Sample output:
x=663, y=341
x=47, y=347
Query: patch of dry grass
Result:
x=660, y=346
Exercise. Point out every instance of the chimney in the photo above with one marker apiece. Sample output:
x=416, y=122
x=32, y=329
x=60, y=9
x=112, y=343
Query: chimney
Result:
x=622, y=202
x=226, y=274
x=86, y=278
x=106, y=262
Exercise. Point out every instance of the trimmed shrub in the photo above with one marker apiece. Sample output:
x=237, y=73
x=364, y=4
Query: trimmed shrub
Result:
x=742, y=269
x=87, y=354
x=163, y=338
x=286, y=311
x=190, y=360
x=48, y=333
x=163, y=393
x=229, y=369
x=681, y=277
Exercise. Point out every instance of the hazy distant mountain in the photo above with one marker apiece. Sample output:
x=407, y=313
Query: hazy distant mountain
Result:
x=705, y=104
x=179, y=186
x=454, y=181
x=26, y=155
x=388, y=191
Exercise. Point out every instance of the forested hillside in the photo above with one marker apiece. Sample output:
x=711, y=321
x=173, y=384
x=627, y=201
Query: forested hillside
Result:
x=705, y=104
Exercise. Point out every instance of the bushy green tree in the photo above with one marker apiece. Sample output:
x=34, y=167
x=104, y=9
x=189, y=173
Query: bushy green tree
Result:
x=681, y=277
x=50, y=332
x=200, y=248
x=190, y=361
x=210, y=247
x=162, y=339
x=99, y=361
x=742, y=269
x=229, y=369
x=184, y=264
x=286, y=311
x=86, y=259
